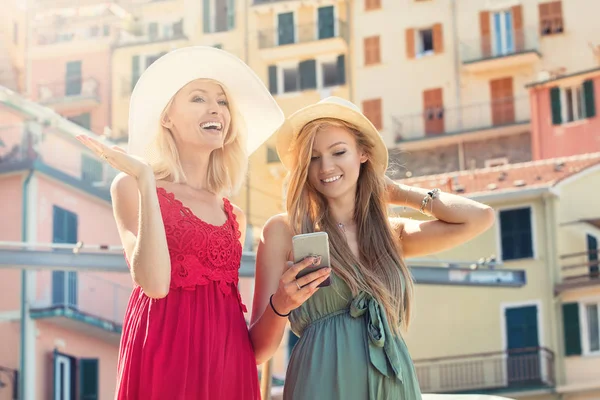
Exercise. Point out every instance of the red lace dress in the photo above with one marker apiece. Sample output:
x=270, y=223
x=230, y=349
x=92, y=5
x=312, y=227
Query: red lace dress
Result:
x=194, y=343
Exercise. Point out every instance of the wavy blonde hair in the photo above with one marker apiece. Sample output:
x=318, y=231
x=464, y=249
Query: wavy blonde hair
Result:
x=380, y=269
x=227, y=165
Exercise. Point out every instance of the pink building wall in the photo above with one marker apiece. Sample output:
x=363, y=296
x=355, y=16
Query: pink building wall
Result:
x=577, y=137
x=96, y=65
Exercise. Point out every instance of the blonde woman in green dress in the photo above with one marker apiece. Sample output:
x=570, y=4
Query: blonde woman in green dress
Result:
x=350, y=345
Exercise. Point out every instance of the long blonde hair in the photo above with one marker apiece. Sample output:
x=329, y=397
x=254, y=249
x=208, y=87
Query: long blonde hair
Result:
x=227, y=165
x=380, y=269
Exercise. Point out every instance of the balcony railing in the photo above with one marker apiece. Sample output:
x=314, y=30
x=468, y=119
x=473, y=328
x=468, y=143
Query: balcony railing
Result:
x=69, y=90
x=90, y=295
x=306, y=33
x=487, y=372
x=582, y=269
x=494, y=46
x=445, y=121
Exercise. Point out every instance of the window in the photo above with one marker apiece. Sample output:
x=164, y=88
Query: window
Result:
x=372, y=50
x=73, y=78
x=64, y=283
x=516, y=234
x=326, y=22
x=272, y=156
x=307, y=75
x=285, y=28
x=433, y=111
x=424, y=41
x=591, y=328
x=503, y=102
x=551, y=18
x=573, y=103
x=75, y=378
x=219, y=15
x=91, y=169
x=372, y=110
x=106, y=30
x=372, y=5
x=153, y=30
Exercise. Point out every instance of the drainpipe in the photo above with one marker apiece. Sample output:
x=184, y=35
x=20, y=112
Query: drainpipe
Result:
x=25, y=317
x=349, y=53
x=456, y=63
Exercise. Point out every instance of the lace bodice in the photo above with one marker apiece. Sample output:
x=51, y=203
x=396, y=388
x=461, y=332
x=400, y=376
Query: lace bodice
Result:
x=201, y=252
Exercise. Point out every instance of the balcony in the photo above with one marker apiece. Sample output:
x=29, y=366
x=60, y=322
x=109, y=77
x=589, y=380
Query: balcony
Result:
x=581, y=270
x=81, y=92
x=503, y=115
x=491, y=53
x=302, y=40
x=88, y=302
x=512, y=370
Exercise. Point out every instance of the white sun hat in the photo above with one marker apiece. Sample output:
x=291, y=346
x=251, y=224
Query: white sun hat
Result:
x=167, y=75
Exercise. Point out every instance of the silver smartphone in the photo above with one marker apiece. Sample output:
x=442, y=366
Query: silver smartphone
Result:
x=312, y=244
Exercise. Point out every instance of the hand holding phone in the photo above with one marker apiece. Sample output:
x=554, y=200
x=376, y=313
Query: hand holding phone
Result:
x=312, y=245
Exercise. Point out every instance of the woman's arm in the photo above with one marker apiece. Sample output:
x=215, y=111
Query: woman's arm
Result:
x=140, y=225
x=457, y=219
x=275, y=276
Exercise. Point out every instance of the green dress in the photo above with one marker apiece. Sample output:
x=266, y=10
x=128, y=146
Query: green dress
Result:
x=346, y=351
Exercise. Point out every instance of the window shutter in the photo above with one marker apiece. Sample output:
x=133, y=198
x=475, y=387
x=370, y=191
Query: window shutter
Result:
x=484, y=29
x=438, y=39
x=341, y=69
x=588, y=95
x=273, y=79
x=230, y=14
x=206, y=16
x=326, y=22
x=88, y=379
x=135, y=70
x=571, y=329
x=410, y=43
x=555, y=106
x=517, y=12
x=308, y=74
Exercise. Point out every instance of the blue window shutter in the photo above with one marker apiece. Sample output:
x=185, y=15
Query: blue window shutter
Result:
x=88, y=379
x=230, y=14
x=308, y=74
x=326, y=22
x=73, y=78
x=571, y=328
x=589, y=98
x=516, y=234
x=273, y=79
x=135, y=70
x=285, y=28
x=341, y=69
x=555, y=106
x=206, y=17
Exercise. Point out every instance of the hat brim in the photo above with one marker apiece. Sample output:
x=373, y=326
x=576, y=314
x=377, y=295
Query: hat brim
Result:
x=167, y=75
x=292, y=126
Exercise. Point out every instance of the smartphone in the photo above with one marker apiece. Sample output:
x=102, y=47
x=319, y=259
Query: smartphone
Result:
x=312, y=244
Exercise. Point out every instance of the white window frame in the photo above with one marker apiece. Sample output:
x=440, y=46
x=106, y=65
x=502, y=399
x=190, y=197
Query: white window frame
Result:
x=584, y=325
x=419, y=44
x=65, y=383
x=534, y=235
x=280, y=81
x=320, y=79
x=504, y=33
x=578, y=103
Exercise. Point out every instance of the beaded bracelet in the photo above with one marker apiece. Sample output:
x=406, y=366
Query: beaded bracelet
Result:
x=275, y=311
x=431, y=195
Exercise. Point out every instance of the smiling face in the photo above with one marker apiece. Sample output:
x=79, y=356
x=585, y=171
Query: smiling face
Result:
x=199, y=116
x=336, y=162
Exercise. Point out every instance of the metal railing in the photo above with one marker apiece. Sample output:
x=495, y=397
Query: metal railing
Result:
x=84, y=88
x=305, y=33
x=502, y=45
x=439, y=121
x=512, y=369
x=583, y=269
x=99, y=295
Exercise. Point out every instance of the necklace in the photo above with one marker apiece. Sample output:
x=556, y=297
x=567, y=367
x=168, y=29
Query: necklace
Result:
x=341, y=226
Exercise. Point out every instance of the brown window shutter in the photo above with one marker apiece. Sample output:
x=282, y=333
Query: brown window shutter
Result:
x=367, y=50
x=503, y=106
x=544, y=10
x=376, y=50
x=438, y=39
x=377, y=114
x=486, y=39
x=372, y=110
x=517, y=12
x=410, y=43
x=557, y=16
x=433, y=111
x=368, y=5
x=372, y=50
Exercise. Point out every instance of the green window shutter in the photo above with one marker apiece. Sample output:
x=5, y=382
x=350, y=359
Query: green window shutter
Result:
x=73, y=79
x=326, y=22
x=555, y=106
x=91, y=169
x=588, y=95
x=273, y=79
x=308, y=74
x=84, y=120
x=206, y=19
x=341, y=69
x=135, y=70
x=571, y=329
x=285, y=28
x=230, y=14
x=88, y=379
